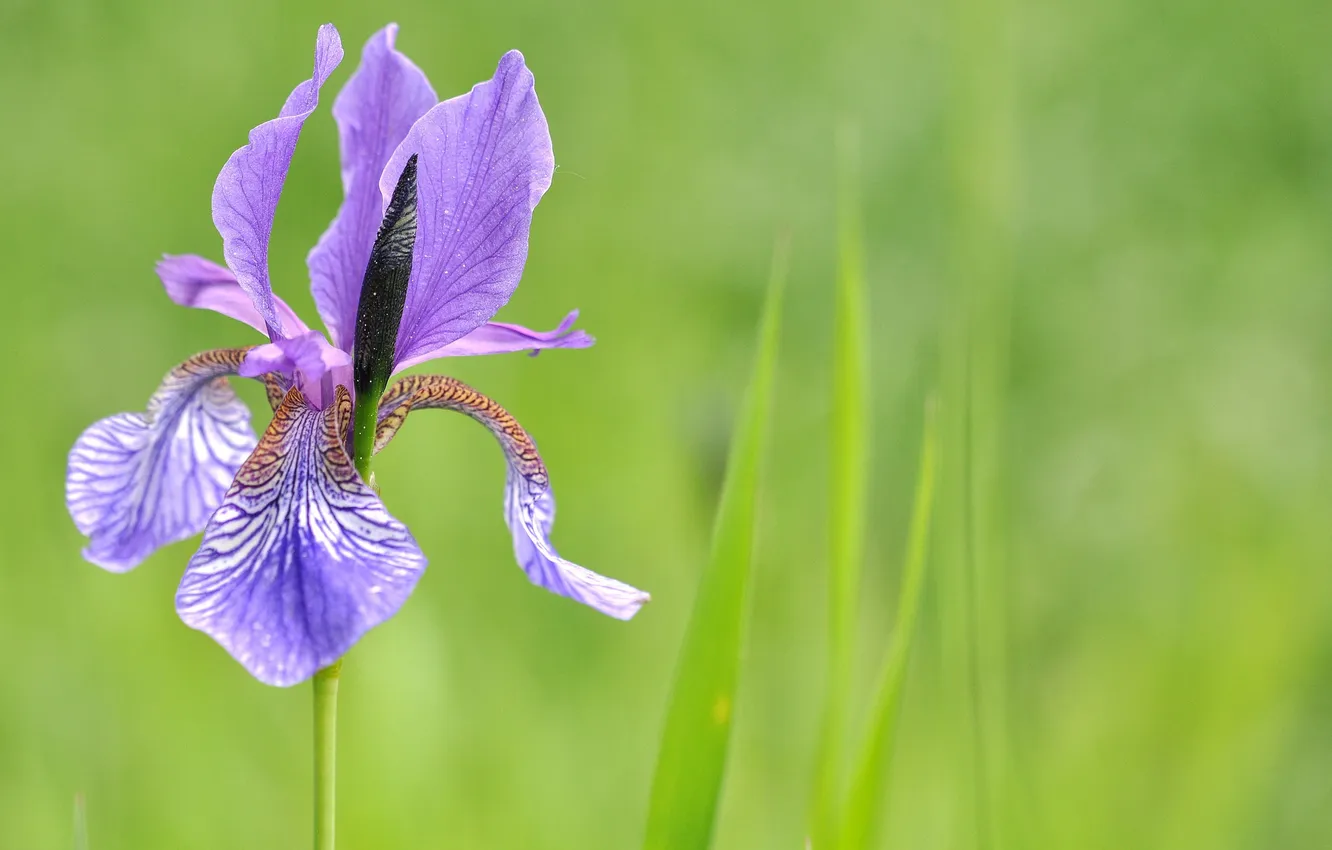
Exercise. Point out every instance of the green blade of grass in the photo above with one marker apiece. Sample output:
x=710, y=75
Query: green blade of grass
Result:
x=80, y=822
x=982, y=212
x=692, y=761
x=848, y=476
x=865, y=800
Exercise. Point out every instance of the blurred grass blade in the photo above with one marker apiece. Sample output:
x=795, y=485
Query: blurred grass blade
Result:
x=849, y=468
x=983, y=223
x=80, y=822
x=866, y=798
x=690, y=766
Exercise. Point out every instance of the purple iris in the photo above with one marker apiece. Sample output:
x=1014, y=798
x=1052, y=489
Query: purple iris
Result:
x=299, y=556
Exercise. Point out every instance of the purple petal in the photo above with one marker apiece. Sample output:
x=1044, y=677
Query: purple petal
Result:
x=192, y=281
x=500, y=338
x=247, y=190
x=138, y=481
x=529, y=505
x=485, y=160
x=308, y=361
x=529, y=509
x=374, y=111
x=302, y=558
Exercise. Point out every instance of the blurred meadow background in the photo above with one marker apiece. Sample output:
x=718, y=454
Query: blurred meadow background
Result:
x=1101, y=231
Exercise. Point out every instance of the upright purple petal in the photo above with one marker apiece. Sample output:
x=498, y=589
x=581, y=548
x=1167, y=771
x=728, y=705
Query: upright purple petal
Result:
x=529, y=504
x=485, y=160
x=138, y=481
x=192, y=281
x=245, y=196
x=302, y=558
x=374, y=111
x=501, y=338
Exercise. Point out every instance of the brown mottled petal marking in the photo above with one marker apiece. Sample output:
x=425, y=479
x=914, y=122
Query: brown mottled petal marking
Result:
x=301, y=558
x=528, y=500
x=275, y=386
x=438, y=391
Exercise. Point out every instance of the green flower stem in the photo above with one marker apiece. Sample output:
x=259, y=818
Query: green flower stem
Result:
x=366, y=421
x=325, y=754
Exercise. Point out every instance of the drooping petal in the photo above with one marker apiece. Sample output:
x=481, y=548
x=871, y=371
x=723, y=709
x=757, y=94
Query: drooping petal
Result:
x=302, y=558
x=529, y=505
x=501, y=338
x=192, y=281
x=245, y=196
x=308, y=361
x=138, y=481
x=485, y=161
x=374, y=111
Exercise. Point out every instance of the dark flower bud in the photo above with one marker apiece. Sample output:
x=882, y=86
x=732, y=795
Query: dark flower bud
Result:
x=384, y=291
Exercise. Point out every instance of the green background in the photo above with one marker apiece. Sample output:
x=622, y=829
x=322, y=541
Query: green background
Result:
x=1165, y=493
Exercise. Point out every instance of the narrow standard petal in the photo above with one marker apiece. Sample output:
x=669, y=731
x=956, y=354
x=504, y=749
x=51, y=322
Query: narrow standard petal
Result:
x=374, y=111
x=485, y=160
x=302, y=558
x=501, y=338
x=245, y=196
x=529, y=505
x=192, y=281
x=138, y=481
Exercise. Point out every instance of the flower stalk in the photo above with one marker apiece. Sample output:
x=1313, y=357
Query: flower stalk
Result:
x=363, y=439
x=383, y=294
x=326, y=754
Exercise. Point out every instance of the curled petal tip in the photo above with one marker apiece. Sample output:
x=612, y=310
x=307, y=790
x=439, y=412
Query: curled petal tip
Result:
x=502, y=338
x=576, y=339
x=632, y=604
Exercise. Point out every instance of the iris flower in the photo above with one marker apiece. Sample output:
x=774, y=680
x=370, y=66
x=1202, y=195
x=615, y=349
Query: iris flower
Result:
x=299, y=556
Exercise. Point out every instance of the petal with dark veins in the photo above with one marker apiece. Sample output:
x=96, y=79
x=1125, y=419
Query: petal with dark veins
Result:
x=485, y=160
x=138, y=481
x=302, y=558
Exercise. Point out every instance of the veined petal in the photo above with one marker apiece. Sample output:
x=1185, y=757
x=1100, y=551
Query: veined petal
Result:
x=529, y=505
x=192, y=281
x=374, y=111
x=138, y=481
x=501, y=338
x=302, y=558
x=485, y=160
x=245, y=196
